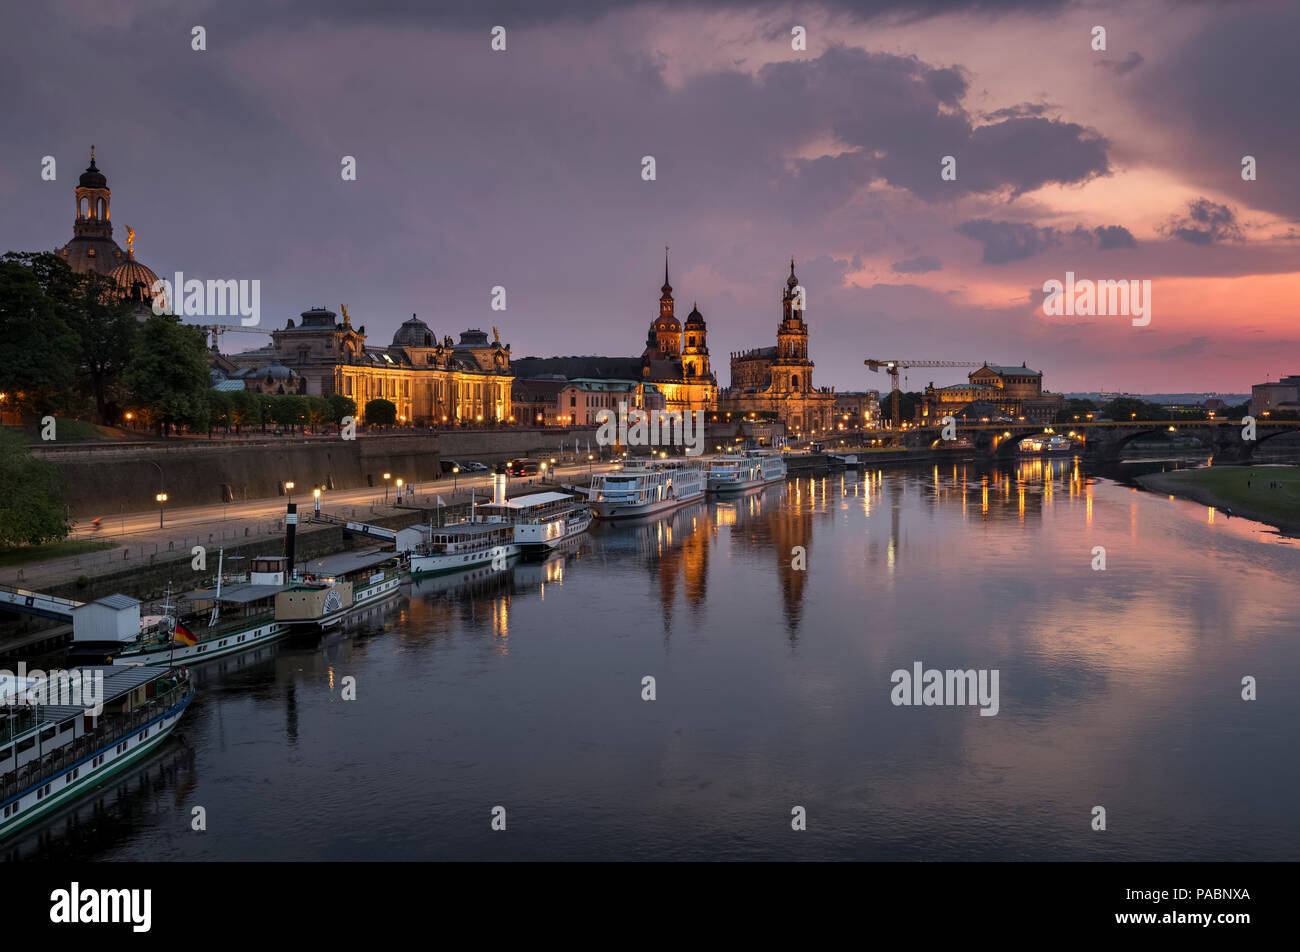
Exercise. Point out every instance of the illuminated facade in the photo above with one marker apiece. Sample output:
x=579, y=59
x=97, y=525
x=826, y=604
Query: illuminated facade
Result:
x=778, y=380
x=430, y=381
x=1016, y=392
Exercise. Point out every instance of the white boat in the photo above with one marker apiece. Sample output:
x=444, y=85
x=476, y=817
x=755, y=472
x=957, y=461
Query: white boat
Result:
x=52, y=753
x=741, y=472
x=643, y=489
x=539, y=521
x=463, y=545
x=235, y=613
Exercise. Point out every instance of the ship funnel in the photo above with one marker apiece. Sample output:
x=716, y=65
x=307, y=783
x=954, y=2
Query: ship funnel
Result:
x=498, y=488
x=290, y=527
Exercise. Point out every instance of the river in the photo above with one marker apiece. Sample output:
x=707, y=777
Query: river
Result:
x=1118, y=688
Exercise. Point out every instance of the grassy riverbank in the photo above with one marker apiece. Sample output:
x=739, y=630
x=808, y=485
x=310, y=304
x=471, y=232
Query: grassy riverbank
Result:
x=53, y=550
x=1268, y=494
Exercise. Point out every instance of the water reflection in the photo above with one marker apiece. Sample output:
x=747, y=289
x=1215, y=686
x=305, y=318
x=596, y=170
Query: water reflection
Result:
x=771, y=623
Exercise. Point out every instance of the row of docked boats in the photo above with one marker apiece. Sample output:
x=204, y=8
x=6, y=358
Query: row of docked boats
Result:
x=51, y=752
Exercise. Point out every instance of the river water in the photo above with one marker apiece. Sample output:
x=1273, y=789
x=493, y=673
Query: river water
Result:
x=1119, y=688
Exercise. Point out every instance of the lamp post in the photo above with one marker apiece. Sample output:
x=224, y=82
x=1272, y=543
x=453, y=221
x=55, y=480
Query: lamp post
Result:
x=161, y=499
x=455, y=477
x=387, y=477
x=399, y=492
x=316, y=499
x=288, y=488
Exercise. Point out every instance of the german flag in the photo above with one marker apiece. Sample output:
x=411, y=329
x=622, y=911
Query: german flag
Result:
x=184, y=635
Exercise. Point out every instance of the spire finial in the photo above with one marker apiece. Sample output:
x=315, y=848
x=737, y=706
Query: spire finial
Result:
x=665, y=264
x=130, y=242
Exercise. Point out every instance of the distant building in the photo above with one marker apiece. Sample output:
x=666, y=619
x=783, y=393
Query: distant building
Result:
x=431, y=381
x=1014, y=392
x=92, y=248
x=556, y=401
x=778, y=380
x=857, y=410
x=675, y=360
x=1282, y=395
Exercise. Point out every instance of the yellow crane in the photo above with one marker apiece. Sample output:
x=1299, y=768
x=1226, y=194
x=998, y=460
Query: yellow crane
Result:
x=892, y=367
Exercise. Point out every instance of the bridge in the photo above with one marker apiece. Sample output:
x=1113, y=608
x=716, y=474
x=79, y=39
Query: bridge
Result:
x=1106, y=440
x=37, y=603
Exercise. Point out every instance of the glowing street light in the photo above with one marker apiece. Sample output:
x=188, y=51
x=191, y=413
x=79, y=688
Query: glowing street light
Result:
x=399, y=492
x=387, y=477
x=316, y=498
x=161, y=499
x=288, y=488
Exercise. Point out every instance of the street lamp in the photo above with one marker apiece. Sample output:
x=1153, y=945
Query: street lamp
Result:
x=161, y=499
x=316, y=497
x=387, y=477
x=455, y=477
x=399, y=492
x=288, y=488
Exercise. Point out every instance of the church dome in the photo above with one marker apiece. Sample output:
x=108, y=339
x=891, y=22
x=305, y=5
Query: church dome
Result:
x=92, y=177
x=135, y=279
x=792, y=281
x=667, y=324
x=413, y=333
x=695, y=317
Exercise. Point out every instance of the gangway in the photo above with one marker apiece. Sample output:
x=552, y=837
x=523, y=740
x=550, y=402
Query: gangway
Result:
x=358, y=528
x=37, y=603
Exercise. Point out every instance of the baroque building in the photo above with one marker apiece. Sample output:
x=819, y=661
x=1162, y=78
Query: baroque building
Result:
x=431, y=381
x=92, y=248
x=674, y=363
x=778, y=380
x=1016, y=392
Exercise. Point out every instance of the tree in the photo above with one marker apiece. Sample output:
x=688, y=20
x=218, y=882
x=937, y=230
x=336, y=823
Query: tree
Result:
x=40, y=350
x=244, y=409
x=1074, y=407
x=219, y=410
x=319, y=412
x=340, y=407
x=381, y=413
x=265, y=409
x=106, y=329
x=1131, y=408
x=168, y=374
x=31, y=507
x=289, y=410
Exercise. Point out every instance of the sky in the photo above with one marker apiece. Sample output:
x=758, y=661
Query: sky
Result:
x=523, y=169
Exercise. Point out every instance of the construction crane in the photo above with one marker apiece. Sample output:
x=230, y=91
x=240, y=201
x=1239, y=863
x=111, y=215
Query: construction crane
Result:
x=216, y=330
x=892, y=368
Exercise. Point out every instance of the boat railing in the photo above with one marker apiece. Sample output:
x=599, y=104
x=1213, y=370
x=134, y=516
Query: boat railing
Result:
x=118, y=727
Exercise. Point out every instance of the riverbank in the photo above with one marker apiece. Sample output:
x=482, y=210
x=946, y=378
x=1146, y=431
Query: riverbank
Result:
x=1267, y=494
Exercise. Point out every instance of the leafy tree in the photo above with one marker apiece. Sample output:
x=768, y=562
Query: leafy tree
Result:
x=244, y=409
x=106, y=328
x=1131, y=408
x=265, y=409
x=289, y=410
x=381, y=412
x=31, y=507
x=1074, y=407
x=319, y=412
x=168, y=374
x=908, y=401
x=40, y=350
x=340, y=407
x=220, y=408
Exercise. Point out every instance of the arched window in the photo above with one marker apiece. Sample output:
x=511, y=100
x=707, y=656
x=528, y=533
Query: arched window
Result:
x=794, y=381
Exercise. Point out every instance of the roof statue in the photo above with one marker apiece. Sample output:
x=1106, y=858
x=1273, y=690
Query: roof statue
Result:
x=130, y=232
x=496, y=336
x=347, y=319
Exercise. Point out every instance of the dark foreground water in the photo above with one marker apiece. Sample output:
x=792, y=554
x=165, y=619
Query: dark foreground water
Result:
x=1118, y=688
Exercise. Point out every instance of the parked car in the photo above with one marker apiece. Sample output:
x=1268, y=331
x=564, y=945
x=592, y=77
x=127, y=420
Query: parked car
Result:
x=473, y=467
x=448, y=464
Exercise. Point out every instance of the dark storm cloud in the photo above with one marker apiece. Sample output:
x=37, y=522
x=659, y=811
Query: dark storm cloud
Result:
x=527, y=13
x=919, y=265
x=1205, y=223
x=1113, y=236
x=1232, y=85
x=1009, y=241
x=1020, y=111
x=1120, y=67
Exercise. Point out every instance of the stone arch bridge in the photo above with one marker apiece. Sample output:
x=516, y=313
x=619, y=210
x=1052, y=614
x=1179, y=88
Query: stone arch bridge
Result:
x=1106, y=440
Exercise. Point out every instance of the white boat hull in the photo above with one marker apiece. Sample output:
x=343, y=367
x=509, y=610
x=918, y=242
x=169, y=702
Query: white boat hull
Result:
x=619, y=510
x=456, y=561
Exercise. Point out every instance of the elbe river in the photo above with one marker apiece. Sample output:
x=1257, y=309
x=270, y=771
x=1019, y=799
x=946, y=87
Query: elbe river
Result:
x=1118, y=688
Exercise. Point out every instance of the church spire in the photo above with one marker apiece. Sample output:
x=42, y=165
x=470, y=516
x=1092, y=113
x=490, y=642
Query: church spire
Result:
x=667, y=288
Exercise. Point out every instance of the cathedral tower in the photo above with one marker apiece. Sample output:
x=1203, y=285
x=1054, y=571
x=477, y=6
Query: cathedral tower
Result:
x=666, y=332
